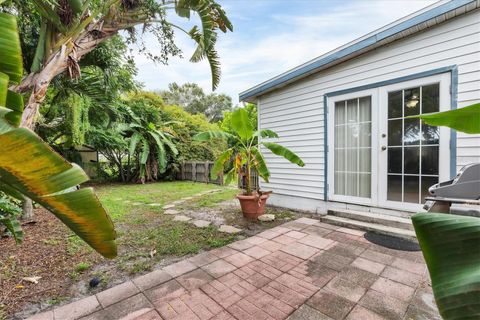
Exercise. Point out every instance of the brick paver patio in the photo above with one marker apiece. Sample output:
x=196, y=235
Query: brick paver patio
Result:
x=301, y=270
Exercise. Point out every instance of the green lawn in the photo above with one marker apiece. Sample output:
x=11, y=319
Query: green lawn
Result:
x=145, y=235
x=113, y=196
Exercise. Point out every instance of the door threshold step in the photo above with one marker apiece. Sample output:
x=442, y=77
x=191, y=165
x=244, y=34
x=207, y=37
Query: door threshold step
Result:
x=367, y=226
x=377, y=218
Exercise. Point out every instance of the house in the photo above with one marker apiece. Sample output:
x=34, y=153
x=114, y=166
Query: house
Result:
x=344, y=113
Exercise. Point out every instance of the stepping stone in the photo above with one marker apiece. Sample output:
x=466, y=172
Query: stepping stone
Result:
x=266, y=217
x=178, y=202
x=137, y=203
x=187, y=198
x=181, y=218
x=212, y=191
x=201, y=223
x=229, y=229
x=171, y=211
x=169, y=206
x=127, y=201
x=155, y=204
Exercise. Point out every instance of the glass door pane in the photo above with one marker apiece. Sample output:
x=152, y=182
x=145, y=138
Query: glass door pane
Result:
x=412, y=147
x=353, y=147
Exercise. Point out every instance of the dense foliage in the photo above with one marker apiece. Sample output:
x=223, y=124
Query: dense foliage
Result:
x=9, y=215
x=147, y=140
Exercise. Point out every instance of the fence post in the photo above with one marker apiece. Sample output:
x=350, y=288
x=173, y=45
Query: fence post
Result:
x=220, y=177
x=182, y=171
x=194, y=171
x=207, y=171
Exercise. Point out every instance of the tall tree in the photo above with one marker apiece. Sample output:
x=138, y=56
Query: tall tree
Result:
x=193, y=99
x=70, y=29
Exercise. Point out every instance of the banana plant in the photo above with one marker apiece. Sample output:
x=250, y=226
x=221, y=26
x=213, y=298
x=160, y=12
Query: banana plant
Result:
x=451, y=243
x=152, y=143
x=72, y=28
x=29, y=167
x=246, y=152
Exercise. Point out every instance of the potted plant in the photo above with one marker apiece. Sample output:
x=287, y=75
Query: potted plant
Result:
x=247, y=158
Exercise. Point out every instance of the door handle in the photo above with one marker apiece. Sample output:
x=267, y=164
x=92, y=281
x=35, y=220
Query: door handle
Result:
x=384, y=148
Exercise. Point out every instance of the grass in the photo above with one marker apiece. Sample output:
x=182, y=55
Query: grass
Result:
x=76, y=245
x=56, y=300
x=82, y=266
x=113, y=197
x=145, y=236
x=213, y=199
x=52, y=241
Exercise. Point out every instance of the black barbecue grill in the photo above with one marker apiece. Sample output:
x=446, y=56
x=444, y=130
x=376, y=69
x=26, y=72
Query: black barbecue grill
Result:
x=461, y=195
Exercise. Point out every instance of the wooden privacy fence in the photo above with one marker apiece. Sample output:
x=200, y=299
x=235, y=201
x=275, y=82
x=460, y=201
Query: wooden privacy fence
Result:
x=199, y=172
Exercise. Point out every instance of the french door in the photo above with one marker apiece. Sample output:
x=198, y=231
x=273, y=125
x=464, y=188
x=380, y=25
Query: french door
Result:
x=352, y=177
x=413, y=155
x=378, y=155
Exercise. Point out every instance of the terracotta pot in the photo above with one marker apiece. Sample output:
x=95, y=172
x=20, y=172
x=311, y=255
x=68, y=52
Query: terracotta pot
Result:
x=252, y=206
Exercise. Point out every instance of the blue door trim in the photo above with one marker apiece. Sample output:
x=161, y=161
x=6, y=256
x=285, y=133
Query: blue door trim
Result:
x=453, y=69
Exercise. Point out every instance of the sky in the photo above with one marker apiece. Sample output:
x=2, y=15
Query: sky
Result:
x=271, y=37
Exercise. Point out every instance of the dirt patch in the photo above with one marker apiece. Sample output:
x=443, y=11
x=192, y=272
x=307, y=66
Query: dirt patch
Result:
x=43, y=253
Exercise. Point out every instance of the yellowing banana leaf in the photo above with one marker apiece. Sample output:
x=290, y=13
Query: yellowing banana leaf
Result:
x=451, y=247
x=30, y=166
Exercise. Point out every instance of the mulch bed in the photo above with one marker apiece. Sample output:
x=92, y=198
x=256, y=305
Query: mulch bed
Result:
x=35, y=257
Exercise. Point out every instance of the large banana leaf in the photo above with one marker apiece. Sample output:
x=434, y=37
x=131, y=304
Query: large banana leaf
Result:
x=10, y=53
x=241, y=124
x=261, y=165
x=464, y=119
x=451, y=247
x=284, y=152
x=219, y=164
x=30, y=167
x=266, y=133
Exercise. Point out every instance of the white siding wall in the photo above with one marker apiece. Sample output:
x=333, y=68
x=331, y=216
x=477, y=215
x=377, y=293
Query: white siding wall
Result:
x=296, y=110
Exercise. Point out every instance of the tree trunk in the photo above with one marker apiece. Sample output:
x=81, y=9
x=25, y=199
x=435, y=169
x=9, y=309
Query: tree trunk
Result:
x=57, y=63
x=27, y=208
x=38, y=84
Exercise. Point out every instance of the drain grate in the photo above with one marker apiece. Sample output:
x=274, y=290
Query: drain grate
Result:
x=391, y=242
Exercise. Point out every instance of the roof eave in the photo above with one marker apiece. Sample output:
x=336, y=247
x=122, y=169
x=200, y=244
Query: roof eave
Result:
x=401, y=30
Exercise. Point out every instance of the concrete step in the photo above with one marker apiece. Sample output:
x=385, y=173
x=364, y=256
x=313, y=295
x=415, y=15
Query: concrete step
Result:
x=367, y=226
x=382, y=219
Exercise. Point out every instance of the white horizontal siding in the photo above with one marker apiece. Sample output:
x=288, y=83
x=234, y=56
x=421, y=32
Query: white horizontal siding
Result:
x=295, y=111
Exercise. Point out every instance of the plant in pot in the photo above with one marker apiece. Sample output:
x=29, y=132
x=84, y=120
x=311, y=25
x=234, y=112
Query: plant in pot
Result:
x=245, y=157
